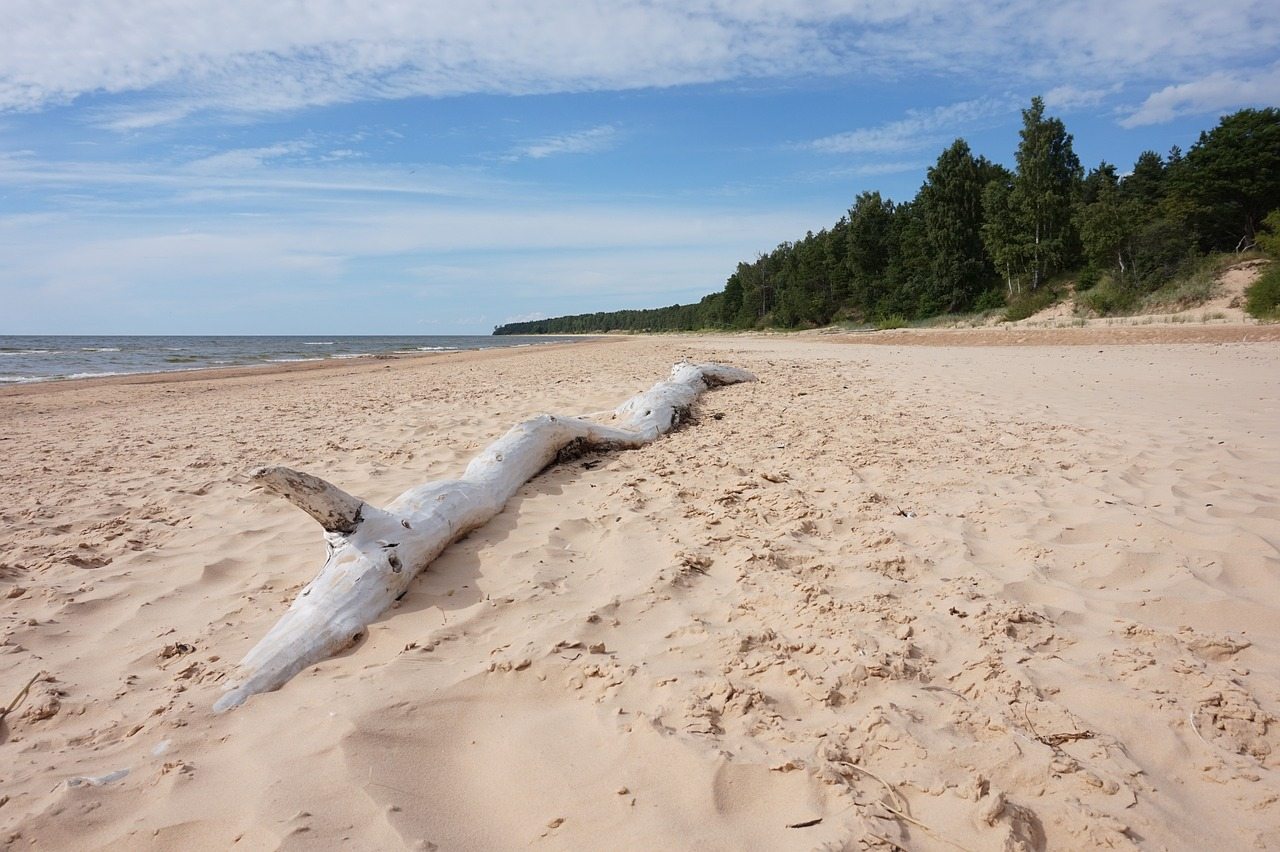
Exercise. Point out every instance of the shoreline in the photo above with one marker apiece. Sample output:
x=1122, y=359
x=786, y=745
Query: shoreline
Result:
x=998, y=336
x=368, y=363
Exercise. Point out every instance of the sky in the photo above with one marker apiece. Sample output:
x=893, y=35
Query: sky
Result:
x=422, y=167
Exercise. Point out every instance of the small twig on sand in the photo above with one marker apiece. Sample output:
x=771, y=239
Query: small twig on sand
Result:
x=1030, y=724
x=1055, y=740
x=20, y=697
x=897, y=797
x=1191, y=717
x=900, y=811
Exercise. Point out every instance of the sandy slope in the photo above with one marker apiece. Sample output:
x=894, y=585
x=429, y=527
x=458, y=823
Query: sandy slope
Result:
x=918, y=566
x=1224, y=307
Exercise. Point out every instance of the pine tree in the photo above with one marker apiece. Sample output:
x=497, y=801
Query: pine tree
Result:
x=1230, y=179
x=870, y=247
x=905, y=288
x=1145, y=184
x=951, y=204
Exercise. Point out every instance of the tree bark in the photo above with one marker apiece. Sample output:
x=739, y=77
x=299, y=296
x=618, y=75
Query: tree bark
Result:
x=375, y=553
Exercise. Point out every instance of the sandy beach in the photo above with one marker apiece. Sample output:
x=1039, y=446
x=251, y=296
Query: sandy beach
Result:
x=989, y=597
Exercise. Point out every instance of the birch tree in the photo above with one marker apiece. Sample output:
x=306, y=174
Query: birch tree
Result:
x=1044, y=191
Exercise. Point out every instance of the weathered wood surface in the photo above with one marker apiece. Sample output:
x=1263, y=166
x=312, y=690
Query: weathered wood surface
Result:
x=375, y=553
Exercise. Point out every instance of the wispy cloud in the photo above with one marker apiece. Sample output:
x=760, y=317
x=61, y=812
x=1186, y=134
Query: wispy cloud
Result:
x=129, y=119
x=591, y=141
x=1216, y=92
x=237, y=172
x=919, y=129
x=238, y=159
x=890, y=168
x=246, y=241
x=1068, y=97
x=153, y=62
x=865, y=170
x=1104, y=40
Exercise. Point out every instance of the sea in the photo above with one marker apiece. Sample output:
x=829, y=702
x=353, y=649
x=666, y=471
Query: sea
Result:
x=32, y=358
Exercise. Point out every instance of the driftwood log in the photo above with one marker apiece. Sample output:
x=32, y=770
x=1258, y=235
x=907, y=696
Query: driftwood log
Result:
x=373, y=553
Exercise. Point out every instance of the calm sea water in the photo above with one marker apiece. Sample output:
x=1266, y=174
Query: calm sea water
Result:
x=29, y=358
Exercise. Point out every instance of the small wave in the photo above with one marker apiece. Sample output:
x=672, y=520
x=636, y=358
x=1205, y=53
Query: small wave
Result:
x=89, y=375
x=30, y=352
x=437, y=349
x=354, y=355
x=319, y=343
x=291, y=360
x=100, y=349
x=182, y=359
x=18, y=380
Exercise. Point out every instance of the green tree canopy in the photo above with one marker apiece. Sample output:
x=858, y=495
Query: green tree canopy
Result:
x=1230, y=179
x=1107, y=221
x=1044, y=191
x=951, y=206
x=1145, y=184
x=1002, y=233
x=974, y=222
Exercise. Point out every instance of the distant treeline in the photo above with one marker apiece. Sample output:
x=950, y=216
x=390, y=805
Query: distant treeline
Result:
x=979, y=236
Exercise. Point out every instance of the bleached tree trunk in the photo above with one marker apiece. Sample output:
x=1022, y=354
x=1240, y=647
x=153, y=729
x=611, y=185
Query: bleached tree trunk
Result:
x=375, y=553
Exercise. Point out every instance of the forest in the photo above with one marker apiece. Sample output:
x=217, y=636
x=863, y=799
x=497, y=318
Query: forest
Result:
x=979, y=236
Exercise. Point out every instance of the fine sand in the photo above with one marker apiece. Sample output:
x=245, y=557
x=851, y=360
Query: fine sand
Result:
x=979, y=597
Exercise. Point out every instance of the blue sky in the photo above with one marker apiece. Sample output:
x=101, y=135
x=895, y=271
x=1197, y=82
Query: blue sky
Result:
x=438, y=168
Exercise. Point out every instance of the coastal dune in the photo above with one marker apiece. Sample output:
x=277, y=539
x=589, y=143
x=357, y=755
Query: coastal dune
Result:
x=1014, y=597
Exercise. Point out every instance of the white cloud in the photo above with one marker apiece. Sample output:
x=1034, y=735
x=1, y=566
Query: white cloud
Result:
x=1154, y=38
x=238, y=159
x=132, y=119
x=254, y=58
x=920, y=129
x=1069, y=97
x=890, y=168
x=338, y=154
x=591, y=141
x=234, y=173
x=1215, y=92
x=864, y=170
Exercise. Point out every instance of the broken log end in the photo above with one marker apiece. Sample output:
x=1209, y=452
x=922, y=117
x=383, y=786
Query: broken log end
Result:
x=334, y=509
